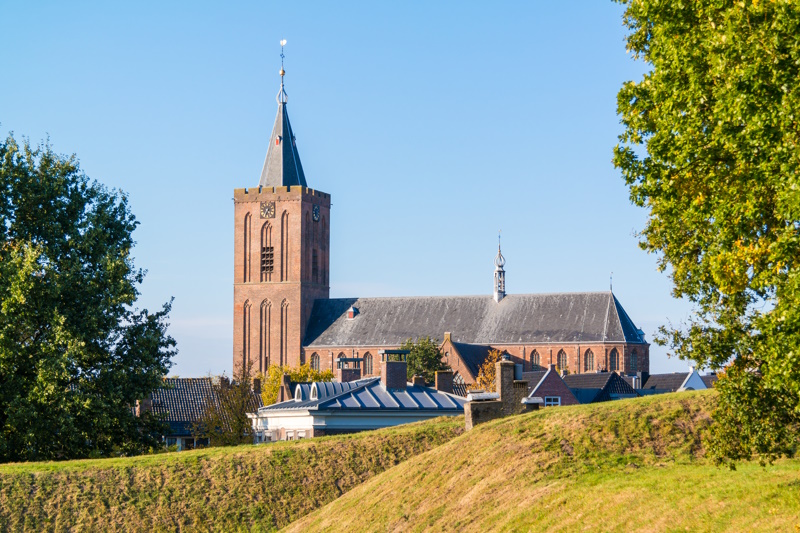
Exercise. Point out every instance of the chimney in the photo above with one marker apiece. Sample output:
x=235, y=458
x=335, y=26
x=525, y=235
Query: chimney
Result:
x=285, y=393
x=444, y=381
x=418, y=381
x=352, y=312
x=552, y=367
x=348, y=369
x=144, y=406
x=504, y=378
x=642, y=378
x=394, y=374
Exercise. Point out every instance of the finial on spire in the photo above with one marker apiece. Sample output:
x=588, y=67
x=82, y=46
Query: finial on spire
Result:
x=611, y=282
x=499, y=273
x=282, y=96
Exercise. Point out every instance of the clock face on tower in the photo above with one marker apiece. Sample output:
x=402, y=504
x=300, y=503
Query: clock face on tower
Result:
x=267, y=209
x=315, y=213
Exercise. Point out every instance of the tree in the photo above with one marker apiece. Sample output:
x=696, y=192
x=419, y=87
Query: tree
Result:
x=710, y=148
x=424, y=358
x=303, y=373
x=224, y=421
x=75, y=355
x=488, y=371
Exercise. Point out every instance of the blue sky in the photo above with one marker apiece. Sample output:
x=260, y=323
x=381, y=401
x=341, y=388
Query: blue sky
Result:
x=433, y=125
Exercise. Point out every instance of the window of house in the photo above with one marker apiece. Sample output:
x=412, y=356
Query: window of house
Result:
x=552, y=401
x=267, y=259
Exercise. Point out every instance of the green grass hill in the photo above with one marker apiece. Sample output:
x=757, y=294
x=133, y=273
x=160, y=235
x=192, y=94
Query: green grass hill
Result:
x=246, y=488
x=632, y=465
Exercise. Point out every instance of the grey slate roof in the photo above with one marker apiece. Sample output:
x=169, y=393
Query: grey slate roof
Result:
x=473, y=355
x=709, y=380
x=599, y=387
x=665, y=382
x=181, y=402
x=517, y=318
x=459, y=386
x=369, y=395
x=282, y=165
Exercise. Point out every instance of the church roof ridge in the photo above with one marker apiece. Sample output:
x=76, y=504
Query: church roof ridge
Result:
x=489, y=296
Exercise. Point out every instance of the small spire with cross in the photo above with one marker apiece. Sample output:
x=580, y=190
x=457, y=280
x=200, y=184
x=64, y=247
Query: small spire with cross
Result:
x=499, y=273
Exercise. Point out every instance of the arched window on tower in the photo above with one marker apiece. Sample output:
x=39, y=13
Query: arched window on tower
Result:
x=246, y=248
x=588, y=361
x=267, y=253
x=563, y=362
x=367, y=364
x=285, y=246
x=315, y=361
x=536, y=361
x=246, y=333
x=634, y=360
x=263, y=335
x=613, y=360
x=307, y=245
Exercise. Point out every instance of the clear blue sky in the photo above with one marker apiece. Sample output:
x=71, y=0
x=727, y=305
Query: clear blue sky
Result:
x=433, y=125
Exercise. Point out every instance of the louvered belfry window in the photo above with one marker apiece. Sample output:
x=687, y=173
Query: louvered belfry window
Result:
x=267, y=259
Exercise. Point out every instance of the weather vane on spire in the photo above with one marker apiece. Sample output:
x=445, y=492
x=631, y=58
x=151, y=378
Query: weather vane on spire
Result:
x=498, y=238
x=282, y=96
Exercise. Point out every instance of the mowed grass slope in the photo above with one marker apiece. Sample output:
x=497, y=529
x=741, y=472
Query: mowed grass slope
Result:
x=246, y=488
x=632, y=465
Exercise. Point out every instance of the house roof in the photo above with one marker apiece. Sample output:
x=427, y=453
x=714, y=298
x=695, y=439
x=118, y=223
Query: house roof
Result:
x=182, y=401
x=670, y=382
x=534, y=379
x=517, y=318
x=370, y=395
x=598, y=387
x=473, y=355
x=709, y=380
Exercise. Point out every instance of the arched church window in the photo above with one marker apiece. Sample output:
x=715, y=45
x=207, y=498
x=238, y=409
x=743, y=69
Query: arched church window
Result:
x=633, y=360
x=246, y=249
x=536, y=361
x=315, y=361
x=563, y=362
x=267, y=252
x=613, y=360
x=367, y=364
x=285, y=246
x=588, y=361
x=307, y=245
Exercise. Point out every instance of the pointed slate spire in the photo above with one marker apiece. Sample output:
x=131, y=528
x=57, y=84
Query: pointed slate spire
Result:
x=282, y=165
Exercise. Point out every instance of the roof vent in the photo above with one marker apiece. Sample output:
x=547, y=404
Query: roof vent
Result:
x=351, y=313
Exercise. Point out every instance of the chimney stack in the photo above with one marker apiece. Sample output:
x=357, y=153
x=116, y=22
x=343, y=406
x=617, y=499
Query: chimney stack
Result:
x=285, y=393
x=394, y=369
x=418, y=381
x=348, y=369
x=444, y=381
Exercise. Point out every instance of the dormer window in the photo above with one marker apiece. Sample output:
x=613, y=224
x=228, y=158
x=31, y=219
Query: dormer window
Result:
x=352, y=312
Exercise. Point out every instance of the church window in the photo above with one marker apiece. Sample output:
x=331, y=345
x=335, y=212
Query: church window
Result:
x=315, y=362
x=563, y=363
x=367, y=364
x=267, y=253
x=588, y=361
x=613, y=360
x=246, y=249
x=536, y=361
x=314, y=266
x=633, y=361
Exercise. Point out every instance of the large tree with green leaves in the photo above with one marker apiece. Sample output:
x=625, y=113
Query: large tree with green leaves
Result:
x=711, y=148
x=424, y=358
x=75, y=356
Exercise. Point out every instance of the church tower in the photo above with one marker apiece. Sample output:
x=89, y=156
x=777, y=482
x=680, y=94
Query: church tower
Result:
x=281, y=247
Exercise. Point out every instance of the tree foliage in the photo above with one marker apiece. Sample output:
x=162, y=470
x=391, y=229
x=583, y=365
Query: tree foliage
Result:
x=488, y=371
x=424, y=358
x=711, y=149
x=224, y=421
x=74, y=355
x=303, y=373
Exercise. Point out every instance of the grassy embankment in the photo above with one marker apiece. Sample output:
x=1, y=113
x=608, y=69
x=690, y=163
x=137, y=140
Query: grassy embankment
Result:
x=632, y=465
x=246, y=488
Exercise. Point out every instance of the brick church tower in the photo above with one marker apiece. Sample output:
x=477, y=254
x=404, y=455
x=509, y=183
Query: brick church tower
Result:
x=281, y=259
